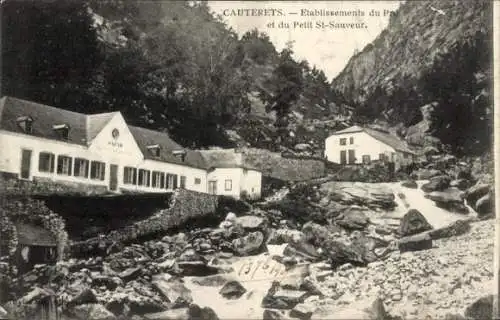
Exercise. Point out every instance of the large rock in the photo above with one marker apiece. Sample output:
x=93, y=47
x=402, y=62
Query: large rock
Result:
x=277, y=298
x=374, y=196
x=36, y=295
x=302, y=249
x=377, y=311
x=282, y=235
x=460, y=184
x=92, y=311
x=415, y=243
x=484, y=205
x=232, y=290
x=352, y=219
x=193, y=312
x=339, y=253
x=85, y=296
x=273, y=314
x=315, y=233
x=409, y=184
x=476, y=192
x=437, y=183
x=252, y=223
x=456, y=228
x=450, y=199
x=413, y=222
x=481, y=309
x=252, y=243
x=302, y=311
x=174, y=291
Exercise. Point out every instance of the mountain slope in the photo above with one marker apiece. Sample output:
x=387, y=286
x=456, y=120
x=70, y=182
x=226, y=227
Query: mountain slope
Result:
x=426, y=56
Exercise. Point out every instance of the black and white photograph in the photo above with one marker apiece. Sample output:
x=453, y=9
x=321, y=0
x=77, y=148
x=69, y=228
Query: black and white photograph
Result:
x=233, y=160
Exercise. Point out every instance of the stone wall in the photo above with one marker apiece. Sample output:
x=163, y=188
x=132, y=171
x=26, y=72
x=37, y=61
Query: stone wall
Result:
x=185, y=205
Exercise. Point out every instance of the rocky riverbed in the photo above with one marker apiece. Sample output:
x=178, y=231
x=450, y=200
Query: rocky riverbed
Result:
x=332, y=250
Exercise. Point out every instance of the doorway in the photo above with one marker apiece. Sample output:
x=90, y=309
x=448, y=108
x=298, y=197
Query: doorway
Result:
x=212, y=187
x=343, y=157
x=352, y=158
x=113, y=177
x=25, y=164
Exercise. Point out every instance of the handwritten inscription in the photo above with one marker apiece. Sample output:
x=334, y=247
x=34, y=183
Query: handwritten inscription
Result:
x=261, y=268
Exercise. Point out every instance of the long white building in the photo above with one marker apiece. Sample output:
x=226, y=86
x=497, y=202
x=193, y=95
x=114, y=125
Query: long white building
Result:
x=43, y=143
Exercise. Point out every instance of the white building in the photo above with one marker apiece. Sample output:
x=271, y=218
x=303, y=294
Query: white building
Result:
x=357, y=145
x=44, y=143
x=228, y=175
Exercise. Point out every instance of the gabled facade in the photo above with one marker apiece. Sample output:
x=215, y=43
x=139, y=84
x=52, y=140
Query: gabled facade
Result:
x=228, y=175
x=44, y=143
x=357, y=145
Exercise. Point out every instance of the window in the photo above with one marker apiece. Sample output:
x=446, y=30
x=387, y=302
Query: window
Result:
x=382, y=157
x=406, y=155
x=97, y=170
x=183, y=182
x=64, y=165
x=156, y=180
x=162, y=180
x=81, y=168
x=171, y=181
x=366, y=159
x=343, y=141
x=154, y=150
x=62, y=131
x=144, y=177
x=129, y=175
x=197, y=181
x=26, y=124
x=351, y=140
x=46, y=162
x=228, y=185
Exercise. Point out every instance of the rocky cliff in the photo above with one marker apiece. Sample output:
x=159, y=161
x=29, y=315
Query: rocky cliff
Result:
x=415, y=36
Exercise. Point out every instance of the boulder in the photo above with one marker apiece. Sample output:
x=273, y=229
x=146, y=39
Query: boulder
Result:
x=352, y=219
x=273, y=314
x=302, y=249
x=413, y=222
x=216, y=280
x=450, y=199
x=173, y=290
x=437, y=183
x=252, y=243
x=198, y=313
x=481, y=308
x=282, y=235
x=476, y=192
x=130, y=274
x=456, y=228
x=36, y=295
x=461, y=184
x=86, y=296
x=302, y=311
x=409, y=184
x=173, y=314
x=232, y=290
x=277, y=298
x=377, y=311
x=415, y=243
x=252, y=223
x=93, y=311
x=484, y=205
x=315, y=233
x=339, y=253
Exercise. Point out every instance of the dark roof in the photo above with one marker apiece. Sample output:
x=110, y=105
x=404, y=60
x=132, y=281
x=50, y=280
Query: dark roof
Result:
x=389, y=139
x=146, y=137
x=44, y=117
x=28, y=234
x=84, y=128
x=225, y=158
x=385, y=137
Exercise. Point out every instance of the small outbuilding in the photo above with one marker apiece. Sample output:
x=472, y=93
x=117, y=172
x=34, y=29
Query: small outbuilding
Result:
x=36, y=245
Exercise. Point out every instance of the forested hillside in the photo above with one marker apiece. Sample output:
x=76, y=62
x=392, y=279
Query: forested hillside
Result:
x=167, y=65
x=436, y=54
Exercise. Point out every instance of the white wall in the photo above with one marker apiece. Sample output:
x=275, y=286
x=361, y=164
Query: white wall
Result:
x=221, y=175
x=11, y=145
x=364, y=144
x=252, y=183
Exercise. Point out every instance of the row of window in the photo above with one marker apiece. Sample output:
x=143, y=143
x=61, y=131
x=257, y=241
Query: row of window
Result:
x=343, y=141
x=154, y=179
x=68, y=166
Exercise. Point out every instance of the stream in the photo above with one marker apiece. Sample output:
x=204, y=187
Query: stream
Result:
x=256, y=273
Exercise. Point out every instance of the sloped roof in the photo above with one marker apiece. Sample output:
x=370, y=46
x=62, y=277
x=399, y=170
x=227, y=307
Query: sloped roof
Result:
x=84, y=128
x=225, y=158
x=44, y=117
x=29, y=234
x=97, y=122
x=385, y=137
x=146, y=137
